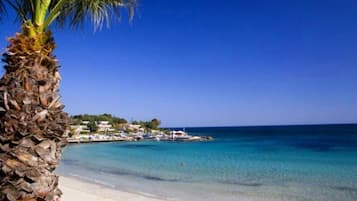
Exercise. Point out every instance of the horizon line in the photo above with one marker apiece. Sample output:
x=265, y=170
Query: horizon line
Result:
x=264, y=125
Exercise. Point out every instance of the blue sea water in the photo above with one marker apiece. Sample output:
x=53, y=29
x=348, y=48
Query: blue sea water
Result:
x=266, y=163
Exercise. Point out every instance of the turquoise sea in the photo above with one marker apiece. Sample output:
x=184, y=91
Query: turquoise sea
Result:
x=265, y=163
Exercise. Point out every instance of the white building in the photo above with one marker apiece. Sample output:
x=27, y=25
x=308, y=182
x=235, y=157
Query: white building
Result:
x=157, y=132
x=82, y=128
x=104, y=126
x=135, y=128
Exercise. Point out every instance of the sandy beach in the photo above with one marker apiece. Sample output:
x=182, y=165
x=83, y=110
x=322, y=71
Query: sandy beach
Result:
x=78, y=190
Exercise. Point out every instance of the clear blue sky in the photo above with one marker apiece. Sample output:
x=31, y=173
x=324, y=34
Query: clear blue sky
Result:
x=211, y=63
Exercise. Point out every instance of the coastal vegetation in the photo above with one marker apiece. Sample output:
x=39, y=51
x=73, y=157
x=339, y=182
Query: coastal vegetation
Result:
x=32, y=122
x=150, y=125
x=92, y=119
x=102, y=117
x=118, y=123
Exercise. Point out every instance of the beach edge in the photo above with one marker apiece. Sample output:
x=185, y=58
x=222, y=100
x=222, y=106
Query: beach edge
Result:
x=76, y=189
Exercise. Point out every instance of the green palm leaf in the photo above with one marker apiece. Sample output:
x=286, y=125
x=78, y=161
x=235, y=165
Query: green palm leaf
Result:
x=69, y=12
x=99, y=12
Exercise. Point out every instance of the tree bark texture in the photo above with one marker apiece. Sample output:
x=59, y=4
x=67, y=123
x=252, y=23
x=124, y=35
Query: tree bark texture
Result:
x=33, y=126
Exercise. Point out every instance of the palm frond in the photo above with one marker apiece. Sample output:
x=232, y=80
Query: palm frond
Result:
x=24, y=9
x=99, y=12
x=72, y=12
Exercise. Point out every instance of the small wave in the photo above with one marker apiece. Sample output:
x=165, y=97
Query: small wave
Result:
x=345, y=188
x=134, y=174
x=159, y=179
x=92, y=180
x=121, y=172
x=250, y=184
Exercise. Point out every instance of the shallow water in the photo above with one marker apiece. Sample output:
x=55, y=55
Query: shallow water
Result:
x=242, y=163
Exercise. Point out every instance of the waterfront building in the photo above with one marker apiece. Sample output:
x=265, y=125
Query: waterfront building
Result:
x=104, y=126
x=82, y=128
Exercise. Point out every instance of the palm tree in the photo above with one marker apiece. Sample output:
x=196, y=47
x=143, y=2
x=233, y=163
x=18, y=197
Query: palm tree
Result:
x=33, y=126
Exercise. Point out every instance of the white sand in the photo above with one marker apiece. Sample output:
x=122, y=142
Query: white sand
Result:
x=77, y=190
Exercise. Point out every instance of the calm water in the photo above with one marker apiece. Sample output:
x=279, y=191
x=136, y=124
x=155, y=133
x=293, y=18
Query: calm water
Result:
x=312, y=163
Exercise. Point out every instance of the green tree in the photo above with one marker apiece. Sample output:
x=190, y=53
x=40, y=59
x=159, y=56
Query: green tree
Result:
x=154, y=124
x=120, y=120
x=32, y=122
x=76, y=121
x=92, y=126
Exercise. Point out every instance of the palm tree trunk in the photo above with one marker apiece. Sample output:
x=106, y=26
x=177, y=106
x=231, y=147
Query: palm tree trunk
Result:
x=33, y=126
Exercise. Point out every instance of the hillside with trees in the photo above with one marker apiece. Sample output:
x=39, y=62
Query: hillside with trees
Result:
x=117, y=122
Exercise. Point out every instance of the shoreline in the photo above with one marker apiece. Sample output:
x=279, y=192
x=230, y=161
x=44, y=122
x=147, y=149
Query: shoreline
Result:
x=76, y=189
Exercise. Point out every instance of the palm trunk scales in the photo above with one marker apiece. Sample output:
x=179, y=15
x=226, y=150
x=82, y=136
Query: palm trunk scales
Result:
x=33, y=126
